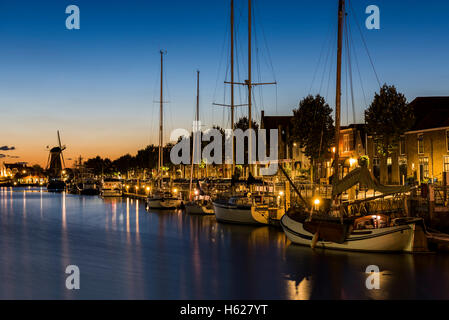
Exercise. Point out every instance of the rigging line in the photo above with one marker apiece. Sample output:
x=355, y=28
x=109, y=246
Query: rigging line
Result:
x=326, y=40
x=364, y=43
x=330, y=54
x=259, y=79
x=348, y=52
x=331, y=72
x=346, y=88
x=225, y=39
x=266, y=45
x=357, y=62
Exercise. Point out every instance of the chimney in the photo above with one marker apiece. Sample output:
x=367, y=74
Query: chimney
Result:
x=262, y=125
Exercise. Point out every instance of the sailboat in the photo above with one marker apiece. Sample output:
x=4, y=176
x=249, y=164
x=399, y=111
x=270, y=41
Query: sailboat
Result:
x=372, y=232
x=162, y=198
x=240, y=209
x=200, y=203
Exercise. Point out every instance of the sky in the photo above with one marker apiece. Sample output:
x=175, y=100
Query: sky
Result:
x=99, y=85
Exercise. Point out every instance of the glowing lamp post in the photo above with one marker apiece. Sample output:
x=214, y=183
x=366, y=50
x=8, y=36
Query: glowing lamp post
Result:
x=317, y=202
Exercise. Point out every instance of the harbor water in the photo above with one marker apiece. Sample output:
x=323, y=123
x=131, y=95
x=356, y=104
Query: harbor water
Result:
x=125, y=252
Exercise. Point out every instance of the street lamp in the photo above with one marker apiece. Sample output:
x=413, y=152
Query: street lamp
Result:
x=317, y=202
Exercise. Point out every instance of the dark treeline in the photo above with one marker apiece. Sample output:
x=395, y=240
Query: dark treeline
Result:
x=146, y=158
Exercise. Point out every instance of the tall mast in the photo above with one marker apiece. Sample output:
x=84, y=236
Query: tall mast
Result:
x=341, y=13
x=232, y=82
x=161, y=118
x=195, y=127
x=198, y=95
x=249, y=82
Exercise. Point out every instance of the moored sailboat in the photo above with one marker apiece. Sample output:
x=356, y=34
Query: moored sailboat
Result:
x=333, y=228
x=161, y=198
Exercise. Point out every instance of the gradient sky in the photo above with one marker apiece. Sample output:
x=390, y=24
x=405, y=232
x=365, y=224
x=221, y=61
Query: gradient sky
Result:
x=99, y=85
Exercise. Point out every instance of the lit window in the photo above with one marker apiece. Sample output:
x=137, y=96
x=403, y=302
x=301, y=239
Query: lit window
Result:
x=420, y=144
x=424, y=168
x=346, y=143
x=446, y=164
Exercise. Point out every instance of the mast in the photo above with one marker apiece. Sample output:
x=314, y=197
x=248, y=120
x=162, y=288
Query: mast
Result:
x=249, y=83
x=232, y=84
x=161, y=118
x=341, y=12
x=197, y=123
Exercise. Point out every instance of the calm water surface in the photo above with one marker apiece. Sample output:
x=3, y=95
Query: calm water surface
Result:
x=124, y=252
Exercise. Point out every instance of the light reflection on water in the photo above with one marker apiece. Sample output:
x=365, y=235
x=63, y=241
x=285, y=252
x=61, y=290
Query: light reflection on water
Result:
x=123, y=252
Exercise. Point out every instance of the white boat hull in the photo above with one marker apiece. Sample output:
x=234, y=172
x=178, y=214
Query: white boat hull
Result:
x=193, y=208
x=392, y=239
x=234, y=214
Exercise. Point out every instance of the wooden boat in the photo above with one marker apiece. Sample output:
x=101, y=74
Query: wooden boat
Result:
x=399, y=235
x=334, y=228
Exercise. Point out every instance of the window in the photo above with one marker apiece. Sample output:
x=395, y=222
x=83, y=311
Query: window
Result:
x=447, y=140
x=424, y=168
x=346, y=146
x=420, y=144
x=402, y=146
x=446, y=164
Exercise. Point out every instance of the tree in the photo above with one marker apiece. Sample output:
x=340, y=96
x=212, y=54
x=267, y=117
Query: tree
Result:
x=313, y=128
x=243, y=124
x=388, y=117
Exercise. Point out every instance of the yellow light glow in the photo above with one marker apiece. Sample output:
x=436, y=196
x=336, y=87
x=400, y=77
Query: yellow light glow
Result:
x=175, y=190
x=334, y=150
x=196, y=192
x=148, y=188
x=63, y=171
x=317, y=202
x=352, y=162
x=137, y=187
x=24, y=171
x=281, y=193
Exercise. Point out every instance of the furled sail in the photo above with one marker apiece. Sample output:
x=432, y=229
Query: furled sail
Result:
x=364, y=177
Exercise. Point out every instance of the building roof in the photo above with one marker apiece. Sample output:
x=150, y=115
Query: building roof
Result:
x=430, y=112
x=273, y=122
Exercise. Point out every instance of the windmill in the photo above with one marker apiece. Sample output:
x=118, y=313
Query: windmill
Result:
x=55, y=162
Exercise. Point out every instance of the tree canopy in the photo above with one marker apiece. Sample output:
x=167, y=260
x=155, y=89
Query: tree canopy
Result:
x=388, y=117
x=313, y=126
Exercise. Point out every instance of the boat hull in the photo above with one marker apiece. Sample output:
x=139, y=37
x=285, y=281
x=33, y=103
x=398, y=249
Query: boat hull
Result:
x=56, y=186
x=392, y=239
x=234, y=214
x=268, y=216
x=196, y=209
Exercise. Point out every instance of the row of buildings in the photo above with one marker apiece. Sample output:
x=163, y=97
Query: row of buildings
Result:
x=21, y=173
x=422, y=154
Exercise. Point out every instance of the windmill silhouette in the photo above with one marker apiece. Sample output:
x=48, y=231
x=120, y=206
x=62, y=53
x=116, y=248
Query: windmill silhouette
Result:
x=55, y=162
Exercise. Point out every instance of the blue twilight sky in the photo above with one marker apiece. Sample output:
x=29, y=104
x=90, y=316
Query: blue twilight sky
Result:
x=99, y=85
